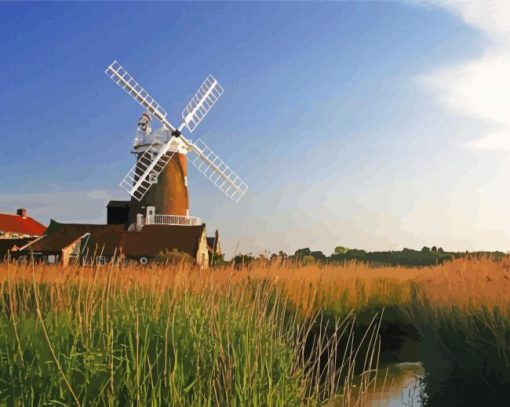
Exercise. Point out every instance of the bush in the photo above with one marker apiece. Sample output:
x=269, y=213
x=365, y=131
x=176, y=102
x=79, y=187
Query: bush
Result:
x=173, y=257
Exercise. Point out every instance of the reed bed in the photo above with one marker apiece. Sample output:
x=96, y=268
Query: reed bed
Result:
x=170, y=336
x=270, y=334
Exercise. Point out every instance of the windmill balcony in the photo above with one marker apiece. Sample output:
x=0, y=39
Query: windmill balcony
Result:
x=172, y=220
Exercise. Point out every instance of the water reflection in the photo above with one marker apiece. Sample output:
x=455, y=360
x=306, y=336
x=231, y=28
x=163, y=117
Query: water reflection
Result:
x=398, y=385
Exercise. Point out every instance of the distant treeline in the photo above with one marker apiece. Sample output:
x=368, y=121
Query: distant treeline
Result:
x=427, y=256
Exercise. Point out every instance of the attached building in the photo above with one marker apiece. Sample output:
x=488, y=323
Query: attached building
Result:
x=92, y=244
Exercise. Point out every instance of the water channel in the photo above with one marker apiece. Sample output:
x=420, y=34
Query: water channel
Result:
x=398, y=385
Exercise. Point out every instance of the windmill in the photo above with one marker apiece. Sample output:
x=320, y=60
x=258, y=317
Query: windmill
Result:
x=158, y=179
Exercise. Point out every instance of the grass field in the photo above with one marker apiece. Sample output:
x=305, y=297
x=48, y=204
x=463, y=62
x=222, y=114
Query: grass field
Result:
x=272, y=335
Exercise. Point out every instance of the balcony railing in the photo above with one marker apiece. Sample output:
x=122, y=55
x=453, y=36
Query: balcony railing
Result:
x=172, y=220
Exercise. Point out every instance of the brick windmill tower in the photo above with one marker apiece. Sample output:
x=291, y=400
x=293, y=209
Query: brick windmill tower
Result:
x=168, y=191
x=158, y=182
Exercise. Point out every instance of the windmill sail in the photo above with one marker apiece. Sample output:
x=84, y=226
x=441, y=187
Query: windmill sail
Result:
x=122, y=78
x=147, y=168
x=157, y=155
x=201, y=103
x=219, y=173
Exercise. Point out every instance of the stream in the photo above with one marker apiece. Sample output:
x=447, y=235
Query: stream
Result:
x=397, y=385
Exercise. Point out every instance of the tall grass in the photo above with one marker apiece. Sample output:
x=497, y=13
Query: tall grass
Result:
x=169, y=336
x=267, y=335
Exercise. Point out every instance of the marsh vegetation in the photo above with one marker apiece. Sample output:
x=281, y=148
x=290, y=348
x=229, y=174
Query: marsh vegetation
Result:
x=270, y=335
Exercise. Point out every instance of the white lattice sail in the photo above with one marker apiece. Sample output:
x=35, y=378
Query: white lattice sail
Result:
x=146, y=169
x=122, y=78
x=205, y=98
x=219, y=173
x=157, y=155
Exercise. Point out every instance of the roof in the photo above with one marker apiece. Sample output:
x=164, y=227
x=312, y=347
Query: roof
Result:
x=211, y=242
x=102, y=238
x=20, y=224
x=110, y=239
x=118, y=204
x=153, y=239
x=9, y=244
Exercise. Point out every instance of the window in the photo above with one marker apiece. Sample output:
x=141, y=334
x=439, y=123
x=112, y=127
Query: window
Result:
x=51, y=258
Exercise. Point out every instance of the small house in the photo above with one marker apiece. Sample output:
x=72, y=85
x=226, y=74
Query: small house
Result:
x=17, y=230
x=19, y=225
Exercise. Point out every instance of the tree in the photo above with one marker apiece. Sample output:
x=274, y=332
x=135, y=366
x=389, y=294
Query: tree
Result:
x=341, y=250
x=243, y=260
x=217, y=259
x=356, y=254
x=307, y=260
x=318, y=255
x=302, y=252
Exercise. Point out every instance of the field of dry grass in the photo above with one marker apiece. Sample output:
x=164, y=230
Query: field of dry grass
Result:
x=461, y=282
x=184, y=336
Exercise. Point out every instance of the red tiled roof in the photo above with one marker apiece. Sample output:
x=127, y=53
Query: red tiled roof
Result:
x=19, y=224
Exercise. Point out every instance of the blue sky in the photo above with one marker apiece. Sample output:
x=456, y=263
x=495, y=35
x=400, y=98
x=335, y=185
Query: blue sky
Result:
x=354, y=123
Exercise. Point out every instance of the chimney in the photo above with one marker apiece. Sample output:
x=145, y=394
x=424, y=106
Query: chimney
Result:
x=216, y=241
x=22, y=212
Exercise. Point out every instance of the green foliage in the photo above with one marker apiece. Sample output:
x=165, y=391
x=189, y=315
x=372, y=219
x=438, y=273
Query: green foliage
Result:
x=307, y=257
x=302, y=252
x=135, y=348
x=340, y=250
x=318, y=255
x=173, y=256
x=243, y=260
x=307, y=260
x=405, y=257
x=217, y=260
x=465, y=351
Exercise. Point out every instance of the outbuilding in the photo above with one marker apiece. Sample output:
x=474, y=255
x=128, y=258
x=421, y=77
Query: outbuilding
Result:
x=89, y=244
x=17, y=230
